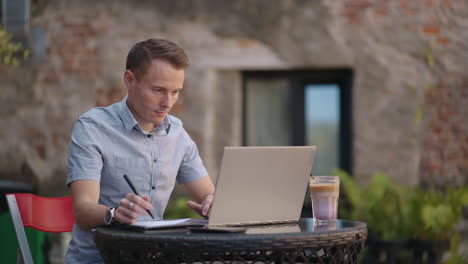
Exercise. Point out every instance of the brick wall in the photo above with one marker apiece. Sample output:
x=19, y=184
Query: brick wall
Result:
x=434, y=34
x=444, y=161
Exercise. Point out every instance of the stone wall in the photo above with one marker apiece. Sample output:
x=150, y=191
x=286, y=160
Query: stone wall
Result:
x=445, y=156
x=409, y=60
x=421, y=45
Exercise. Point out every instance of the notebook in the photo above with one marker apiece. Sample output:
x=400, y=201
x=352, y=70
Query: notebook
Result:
x=256, y=186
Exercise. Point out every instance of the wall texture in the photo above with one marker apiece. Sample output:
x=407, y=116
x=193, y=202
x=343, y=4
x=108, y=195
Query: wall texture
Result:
x=409, y=58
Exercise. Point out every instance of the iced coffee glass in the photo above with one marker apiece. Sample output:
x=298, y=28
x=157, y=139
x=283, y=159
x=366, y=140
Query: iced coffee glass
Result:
x=324, y=193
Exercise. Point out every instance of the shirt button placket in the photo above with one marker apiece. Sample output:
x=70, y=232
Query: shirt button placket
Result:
x=153, y=168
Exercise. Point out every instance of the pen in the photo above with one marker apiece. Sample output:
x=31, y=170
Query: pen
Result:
x=135, y=191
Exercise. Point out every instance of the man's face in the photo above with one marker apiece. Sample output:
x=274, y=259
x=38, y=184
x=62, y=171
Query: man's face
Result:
x=151, y=98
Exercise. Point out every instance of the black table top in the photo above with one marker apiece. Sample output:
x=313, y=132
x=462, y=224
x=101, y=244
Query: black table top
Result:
x=305, y=227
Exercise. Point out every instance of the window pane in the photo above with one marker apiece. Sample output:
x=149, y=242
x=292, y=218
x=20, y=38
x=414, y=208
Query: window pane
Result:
x=267, y=112
x=322, y=123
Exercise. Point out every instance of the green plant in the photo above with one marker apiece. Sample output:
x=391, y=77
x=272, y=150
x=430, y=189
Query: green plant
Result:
x=396, y=212
x=434, y=214
x=178, y=208
x=379, y=204
x=11, y=53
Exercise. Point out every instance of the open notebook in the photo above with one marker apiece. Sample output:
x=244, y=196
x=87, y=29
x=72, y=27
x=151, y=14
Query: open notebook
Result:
x=256, y=185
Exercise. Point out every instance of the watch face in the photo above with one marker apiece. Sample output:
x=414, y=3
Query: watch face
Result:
x=109, y=216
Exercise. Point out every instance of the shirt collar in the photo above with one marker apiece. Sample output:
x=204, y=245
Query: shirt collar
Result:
x=130, y=122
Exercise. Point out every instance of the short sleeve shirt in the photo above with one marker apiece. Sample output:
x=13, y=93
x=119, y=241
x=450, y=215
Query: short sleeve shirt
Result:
x=107, y=143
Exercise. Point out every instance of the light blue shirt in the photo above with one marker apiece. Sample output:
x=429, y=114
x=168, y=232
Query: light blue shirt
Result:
x=107, y=143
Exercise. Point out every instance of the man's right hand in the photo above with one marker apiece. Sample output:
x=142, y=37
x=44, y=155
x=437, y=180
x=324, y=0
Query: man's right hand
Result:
x=131, y=207
x=90, y=214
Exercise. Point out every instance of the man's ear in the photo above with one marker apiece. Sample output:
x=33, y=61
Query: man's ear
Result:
x=129, y=79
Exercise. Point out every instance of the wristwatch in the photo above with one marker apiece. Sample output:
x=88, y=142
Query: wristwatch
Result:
x=109, y=217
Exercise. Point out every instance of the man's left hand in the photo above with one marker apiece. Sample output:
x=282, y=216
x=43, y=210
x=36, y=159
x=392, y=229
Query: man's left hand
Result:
x=203, y=209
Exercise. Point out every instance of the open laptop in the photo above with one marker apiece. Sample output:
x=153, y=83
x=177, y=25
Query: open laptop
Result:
x=255, y=186
x=261, y=185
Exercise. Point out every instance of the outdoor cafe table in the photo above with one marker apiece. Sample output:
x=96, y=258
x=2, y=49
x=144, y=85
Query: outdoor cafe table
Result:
x=306, y=243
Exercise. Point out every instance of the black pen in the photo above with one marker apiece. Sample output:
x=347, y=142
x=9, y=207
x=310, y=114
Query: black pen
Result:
x=135, y=191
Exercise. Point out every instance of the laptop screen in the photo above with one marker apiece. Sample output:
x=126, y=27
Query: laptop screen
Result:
x=261, y=185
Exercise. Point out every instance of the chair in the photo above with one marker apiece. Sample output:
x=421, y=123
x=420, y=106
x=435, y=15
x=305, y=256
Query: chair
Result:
x=53, y=215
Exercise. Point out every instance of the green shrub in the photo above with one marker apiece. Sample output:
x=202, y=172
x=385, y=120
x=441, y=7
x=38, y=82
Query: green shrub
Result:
x=398, y=212
x=11, y=53
x=395, y=211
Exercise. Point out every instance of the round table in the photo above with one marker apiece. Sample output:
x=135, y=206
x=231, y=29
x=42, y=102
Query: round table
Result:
x=304, y=242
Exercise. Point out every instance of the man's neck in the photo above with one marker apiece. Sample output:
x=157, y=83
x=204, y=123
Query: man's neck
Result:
x=147, y=126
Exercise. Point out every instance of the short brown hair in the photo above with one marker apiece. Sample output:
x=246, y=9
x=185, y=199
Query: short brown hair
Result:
x=142, y=53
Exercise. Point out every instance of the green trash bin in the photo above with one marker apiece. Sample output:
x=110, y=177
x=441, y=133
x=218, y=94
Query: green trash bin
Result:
x=37, y=240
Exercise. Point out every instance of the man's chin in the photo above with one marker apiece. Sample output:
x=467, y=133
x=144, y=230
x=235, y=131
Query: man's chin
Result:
x=159, y=120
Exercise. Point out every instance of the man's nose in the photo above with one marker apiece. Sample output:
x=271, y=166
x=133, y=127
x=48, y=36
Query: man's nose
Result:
x=166, y=101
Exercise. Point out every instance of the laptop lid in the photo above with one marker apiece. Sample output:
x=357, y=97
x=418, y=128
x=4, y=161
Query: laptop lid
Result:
x=260, y=185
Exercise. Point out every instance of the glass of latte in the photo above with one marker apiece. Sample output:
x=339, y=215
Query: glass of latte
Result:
x=324, y=193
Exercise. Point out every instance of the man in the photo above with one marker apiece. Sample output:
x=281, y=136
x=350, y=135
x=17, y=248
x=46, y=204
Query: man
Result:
x=135, y=137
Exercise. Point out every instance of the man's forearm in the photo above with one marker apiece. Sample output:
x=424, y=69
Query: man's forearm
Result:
x=201, y=188
x=89, y=215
